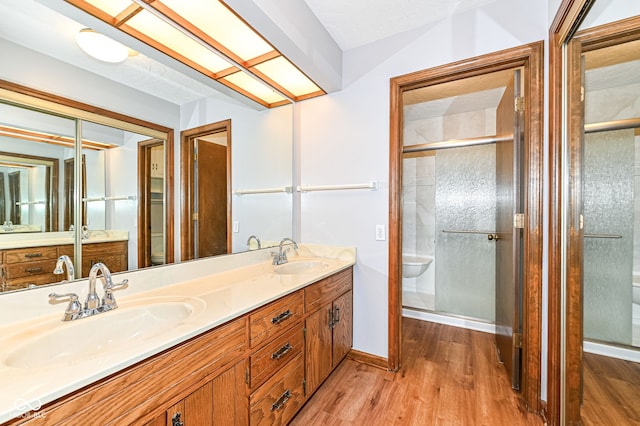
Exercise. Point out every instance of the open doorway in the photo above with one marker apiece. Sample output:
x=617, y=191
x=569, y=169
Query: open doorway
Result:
x=206, y=185
x=151, y=215
x=503, y=143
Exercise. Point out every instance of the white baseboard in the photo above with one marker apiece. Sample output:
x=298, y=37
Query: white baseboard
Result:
x=612, y=351
x=449, y=320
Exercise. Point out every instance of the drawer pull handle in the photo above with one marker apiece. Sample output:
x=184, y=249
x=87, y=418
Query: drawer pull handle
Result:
x=32, y=255
x=281, y=401
x=33, y=270
x=281, y=352
x=336, y=315
x=176, y=421
x=283, y=316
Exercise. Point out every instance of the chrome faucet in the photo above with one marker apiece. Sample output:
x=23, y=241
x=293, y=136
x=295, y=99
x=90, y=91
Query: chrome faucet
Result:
x=7, y=225
x=85, y=232
x=66, y=261
x=93, y=305
x=93, y=301
x=281, y=257
x=253, y=237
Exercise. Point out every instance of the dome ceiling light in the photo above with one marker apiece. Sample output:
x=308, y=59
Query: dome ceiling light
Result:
x=101, y=47
x=207, y=36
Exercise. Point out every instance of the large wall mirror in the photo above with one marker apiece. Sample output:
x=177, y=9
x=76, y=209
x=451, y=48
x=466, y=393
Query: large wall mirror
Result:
x=98, y=185
x=594, y=303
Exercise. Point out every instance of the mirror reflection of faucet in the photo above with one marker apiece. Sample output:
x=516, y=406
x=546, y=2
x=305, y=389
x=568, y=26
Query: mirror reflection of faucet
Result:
x=253, y=237
x=66, y=261
x=7, y=226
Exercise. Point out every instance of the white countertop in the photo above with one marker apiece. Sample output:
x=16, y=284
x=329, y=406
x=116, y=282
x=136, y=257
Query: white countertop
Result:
x=42, y=239
x=220, y=289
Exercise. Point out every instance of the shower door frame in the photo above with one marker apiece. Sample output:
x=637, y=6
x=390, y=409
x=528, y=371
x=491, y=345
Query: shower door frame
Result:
x=530, y=58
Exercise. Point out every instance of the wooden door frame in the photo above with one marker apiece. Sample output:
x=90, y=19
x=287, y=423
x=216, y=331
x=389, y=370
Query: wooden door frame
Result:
x=565, y=316
x=187, y=182
x=144, y=203
x=529, y=57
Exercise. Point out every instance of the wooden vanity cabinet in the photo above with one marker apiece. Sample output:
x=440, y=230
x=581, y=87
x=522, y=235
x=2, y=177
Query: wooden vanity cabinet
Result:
x=258, y=369
x=329, y=325
x=114, y=254
x=24, y=267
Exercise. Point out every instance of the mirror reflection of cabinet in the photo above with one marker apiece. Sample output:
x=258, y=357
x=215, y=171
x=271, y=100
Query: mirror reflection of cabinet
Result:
x=105, y=189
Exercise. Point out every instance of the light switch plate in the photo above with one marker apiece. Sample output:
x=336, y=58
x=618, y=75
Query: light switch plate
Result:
x=380, y=233
x=236, y=226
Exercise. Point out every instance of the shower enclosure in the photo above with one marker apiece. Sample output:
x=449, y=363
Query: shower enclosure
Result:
x=462, y=197
x=611, y=205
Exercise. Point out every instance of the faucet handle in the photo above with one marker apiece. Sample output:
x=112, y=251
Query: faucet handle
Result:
x=109, y=301
x=73, y=309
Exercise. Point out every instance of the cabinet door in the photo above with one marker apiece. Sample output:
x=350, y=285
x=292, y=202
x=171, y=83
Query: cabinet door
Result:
x=318, y=347
x=343, y=326
x=196, y=409
x=230, y=403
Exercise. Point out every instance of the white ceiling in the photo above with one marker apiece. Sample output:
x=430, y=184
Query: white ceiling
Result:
x=34, y=26
x=354, y=23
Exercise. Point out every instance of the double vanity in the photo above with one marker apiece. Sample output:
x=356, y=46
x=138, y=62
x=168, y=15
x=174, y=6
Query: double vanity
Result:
x=227, y=340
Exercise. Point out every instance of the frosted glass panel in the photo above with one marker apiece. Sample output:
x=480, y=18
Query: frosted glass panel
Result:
x=465, y=200
x=608, y=209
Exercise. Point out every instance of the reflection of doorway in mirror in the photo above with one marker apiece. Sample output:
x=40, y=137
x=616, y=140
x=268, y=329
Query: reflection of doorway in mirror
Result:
x=206, y=182
x=210, y=171
x=151, y=246
x=69, y=190
x=3, y=205
x=604, y=64
x=14, y=198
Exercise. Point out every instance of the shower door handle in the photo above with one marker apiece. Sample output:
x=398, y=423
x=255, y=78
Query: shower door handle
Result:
x=493, y=237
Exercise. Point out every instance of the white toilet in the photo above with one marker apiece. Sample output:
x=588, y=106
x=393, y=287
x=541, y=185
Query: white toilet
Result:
x=414, y=265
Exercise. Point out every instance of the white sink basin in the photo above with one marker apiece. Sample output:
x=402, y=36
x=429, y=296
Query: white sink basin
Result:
x=301, y=267
x=79, y=340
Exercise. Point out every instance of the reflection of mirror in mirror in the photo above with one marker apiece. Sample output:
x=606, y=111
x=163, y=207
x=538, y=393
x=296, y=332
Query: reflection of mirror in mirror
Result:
x=262, y=144
x=602, y=147
x=34, y=144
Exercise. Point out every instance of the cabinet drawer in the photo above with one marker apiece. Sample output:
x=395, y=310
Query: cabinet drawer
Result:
x=275, y=317
x=31, y=254
x=276, y=354
x=113, y=262
x=29, y=269
x=323, y=292
x=99, y=249
x=26, y=282
x=275, y=402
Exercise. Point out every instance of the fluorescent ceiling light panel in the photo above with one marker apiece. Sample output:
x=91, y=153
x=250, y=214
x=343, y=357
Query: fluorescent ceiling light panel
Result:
x=249, y=84
x=111, y=7
x=286, y=75
x=221, y=25
x=170, y=37
x=209, y=37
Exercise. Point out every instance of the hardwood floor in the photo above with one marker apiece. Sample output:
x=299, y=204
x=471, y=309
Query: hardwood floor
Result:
x=611, y=391
x=450, y=376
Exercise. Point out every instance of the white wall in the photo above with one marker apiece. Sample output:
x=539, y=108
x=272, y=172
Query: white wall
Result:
x=344, y=138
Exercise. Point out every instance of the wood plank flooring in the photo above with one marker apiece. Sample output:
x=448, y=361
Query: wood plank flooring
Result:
x=611, y=391
x=450, y=376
